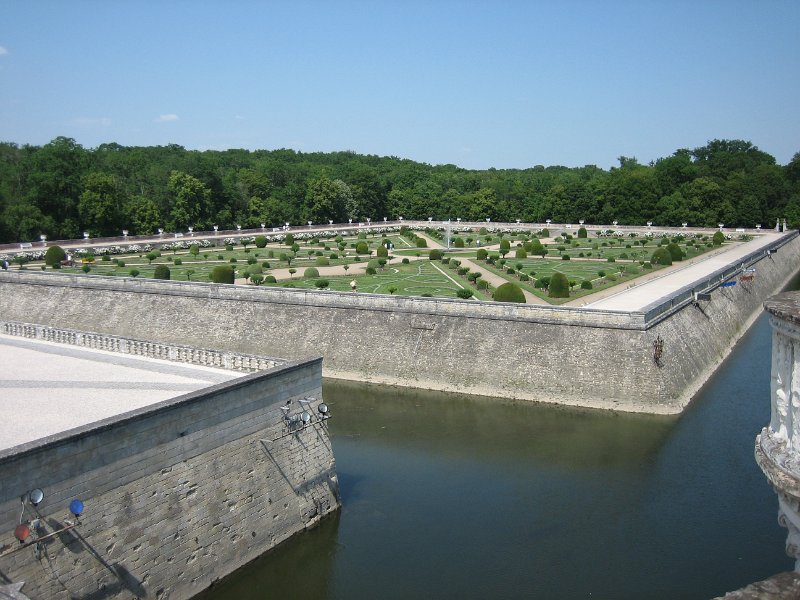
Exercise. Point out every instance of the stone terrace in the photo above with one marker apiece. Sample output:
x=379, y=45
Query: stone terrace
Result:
x=50, y=388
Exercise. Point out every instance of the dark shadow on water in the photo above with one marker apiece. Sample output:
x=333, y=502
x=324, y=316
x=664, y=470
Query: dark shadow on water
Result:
x=299, y=568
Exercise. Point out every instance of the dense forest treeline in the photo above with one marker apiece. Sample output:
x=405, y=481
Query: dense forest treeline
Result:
x=62, y=189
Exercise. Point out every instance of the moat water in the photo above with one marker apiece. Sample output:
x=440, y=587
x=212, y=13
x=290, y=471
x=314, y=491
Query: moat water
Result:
x=451, y=497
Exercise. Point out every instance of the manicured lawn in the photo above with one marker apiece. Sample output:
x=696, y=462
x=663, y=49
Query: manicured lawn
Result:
x=415, y=279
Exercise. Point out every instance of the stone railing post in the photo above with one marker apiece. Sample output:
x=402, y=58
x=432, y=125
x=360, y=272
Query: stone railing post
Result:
x=778, y=445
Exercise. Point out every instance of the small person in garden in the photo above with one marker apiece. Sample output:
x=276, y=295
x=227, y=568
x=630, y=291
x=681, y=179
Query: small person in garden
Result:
x=353, y=285
x=5, y=265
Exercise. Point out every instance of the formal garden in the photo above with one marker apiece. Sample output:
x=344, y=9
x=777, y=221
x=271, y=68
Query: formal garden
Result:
x=398, y=261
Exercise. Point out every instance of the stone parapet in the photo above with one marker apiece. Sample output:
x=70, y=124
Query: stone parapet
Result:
x=234, y=361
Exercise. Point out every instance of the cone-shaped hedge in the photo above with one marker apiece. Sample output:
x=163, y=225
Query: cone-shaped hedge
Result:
x=559, y=286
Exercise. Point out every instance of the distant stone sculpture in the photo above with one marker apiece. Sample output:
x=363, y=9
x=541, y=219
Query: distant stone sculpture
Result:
x=778, y=446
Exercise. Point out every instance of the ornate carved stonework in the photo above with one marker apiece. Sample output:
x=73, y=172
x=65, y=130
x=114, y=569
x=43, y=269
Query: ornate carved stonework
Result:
x=778, y=446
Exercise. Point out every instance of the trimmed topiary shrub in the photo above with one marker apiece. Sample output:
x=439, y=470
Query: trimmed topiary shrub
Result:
x=435, y=254
x=270, y=279
x=421, y=242
x=482, y=284
x=520, y=253
x=509, y=292
x=322, y=261
x=661, y=256
x=222, y=274
x=161, y=272
x=458, y=242
x=565, y=257
x=482, y=254
x=405, y=261
x=586, y=284
x=321, y=283
x=362, y=248
x=310, y=272
x=133, y=272
x=464, y=293
x=559, y=286
x=178, y=262
x=382, y=251
x=523, y=277
x=261, y=241
x=675, y=251
x=582, y=233
x=255, y=269
x=370, y=271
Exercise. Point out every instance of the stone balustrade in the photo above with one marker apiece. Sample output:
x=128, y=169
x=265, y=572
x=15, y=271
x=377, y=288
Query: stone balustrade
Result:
x=234, y=361
x=778, y=446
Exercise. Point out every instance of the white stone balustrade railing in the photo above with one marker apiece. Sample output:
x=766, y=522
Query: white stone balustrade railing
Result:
x=248, y=363
x=778, y=446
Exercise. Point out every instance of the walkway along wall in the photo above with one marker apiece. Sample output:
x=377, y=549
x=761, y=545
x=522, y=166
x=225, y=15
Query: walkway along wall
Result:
x=176, y=495
x=575, y=356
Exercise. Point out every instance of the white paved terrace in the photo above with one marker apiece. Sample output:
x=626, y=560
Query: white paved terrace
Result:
x=637, y=297
x=47, y=388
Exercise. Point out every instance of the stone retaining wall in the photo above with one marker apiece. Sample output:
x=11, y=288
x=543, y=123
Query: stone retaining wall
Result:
x=574, y=356
x=176, y=495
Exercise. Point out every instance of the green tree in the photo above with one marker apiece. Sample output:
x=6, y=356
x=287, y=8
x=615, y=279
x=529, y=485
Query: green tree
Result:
x=191, y=201
x=142, y=215
x=326, y=199
x=54, y=255
x=100, y=204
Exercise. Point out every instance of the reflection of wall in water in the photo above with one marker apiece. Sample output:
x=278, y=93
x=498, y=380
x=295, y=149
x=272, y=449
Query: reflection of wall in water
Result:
x=493, y=430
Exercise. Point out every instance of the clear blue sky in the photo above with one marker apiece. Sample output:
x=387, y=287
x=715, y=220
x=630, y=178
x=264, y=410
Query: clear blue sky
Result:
x=478, y=84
